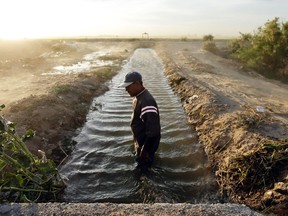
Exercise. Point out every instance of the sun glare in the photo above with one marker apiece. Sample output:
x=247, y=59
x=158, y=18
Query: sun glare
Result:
x=31, y=19
x=16, y=17
x=35, y=19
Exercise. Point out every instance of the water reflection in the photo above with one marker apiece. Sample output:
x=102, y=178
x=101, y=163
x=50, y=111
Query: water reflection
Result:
x=89, y=62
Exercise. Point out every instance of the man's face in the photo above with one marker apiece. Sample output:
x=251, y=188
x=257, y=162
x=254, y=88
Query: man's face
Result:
x=133, y=89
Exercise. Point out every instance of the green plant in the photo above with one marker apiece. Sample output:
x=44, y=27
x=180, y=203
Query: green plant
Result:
x=62, y=89
x=209, y=44
x=266, y=50
x=25, y=177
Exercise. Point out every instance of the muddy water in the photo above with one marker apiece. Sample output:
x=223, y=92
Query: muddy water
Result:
x=102, y=167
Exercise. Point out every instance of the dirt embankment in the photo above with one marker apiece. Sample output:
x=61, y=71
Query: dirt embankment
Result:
x=54, y=105
x=246, y=147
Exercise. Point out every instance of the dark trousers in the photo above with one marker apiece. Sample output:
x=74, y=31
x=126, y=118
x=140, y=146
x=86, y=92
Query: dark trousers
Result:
x=145, y=156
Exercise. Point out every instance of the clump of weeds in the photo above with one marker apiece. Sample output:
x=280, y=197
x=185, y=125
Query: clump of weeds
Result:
x=24, y=176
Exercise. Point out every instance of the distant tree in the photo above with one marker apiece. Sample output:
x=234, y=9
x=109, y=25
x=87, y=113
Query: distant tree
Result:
x=266, y=50
x=208, y=37
x=184, y=39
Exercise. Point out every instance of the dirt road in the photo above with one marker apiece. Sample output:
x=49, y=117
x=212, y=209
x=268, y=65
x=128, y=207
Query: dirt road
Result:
x=230, y=81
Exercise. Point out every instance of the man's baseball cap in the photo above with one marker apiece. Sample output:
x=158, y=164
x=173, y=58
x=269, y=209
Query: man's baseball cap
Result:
x=130, y=78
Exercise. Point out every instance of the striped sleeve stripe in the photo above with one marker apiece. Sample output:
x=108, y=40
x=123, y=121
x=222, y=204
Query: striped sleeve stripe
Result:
x=148, y=109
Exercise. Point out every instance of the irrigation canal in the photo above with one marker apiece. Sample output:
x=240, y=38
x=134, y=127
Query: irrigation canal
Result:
x=102, y=167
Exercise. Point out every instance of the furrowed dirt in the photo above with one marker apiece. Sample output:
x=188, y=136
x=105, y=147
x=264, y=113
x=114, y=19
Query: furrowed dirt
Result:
x=247, y=148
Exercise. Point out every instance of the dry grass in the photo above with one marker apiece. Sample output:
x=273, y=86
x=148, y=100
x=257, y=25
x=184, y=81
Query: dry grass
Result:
x=255, y=165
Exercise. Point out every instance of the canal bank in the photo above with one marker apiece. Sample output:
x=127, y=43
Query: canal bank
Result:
x=239, y=140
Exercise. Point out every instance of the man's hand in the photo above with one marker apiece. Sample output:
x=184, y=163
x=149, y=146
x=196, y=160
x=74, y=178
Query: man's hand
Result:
x=144, y=155
x=136, y=147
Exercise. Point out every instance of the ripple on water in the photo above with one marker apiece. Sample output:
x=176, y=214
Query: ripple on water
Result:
x=102, y=166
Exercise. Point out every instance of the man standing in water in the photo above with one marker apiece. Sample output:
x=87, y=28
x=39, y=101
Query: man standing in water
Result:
x=145, y=120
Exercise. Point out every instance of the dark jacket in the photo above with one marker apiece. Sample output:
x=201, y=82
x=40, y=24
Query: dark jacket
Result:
x=145, y=122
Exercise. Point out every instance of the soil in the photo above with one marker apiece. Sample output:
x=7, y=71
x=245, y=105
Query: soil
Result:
x=126, y=209
x=54, y=106
x=235, y=111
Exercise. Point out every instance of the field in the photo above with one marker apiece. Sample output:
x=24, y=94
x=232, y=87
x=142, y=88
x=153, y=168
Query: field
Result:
x=241, y=117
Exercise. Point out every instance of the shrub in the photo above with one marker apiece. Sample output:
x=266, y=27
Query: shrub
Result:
x=209, y=44
x=208, y=37
x=266, y=51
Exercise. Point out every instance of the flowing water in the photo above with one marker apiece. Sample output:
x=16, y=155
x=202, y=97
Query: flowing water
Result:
x=102, y=166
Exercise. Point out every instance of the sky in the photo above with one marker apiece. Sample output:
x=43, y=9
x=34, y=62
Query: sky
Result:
x=132, y=18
